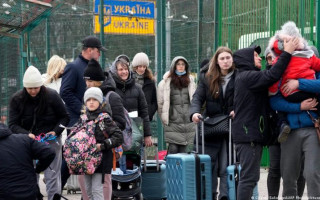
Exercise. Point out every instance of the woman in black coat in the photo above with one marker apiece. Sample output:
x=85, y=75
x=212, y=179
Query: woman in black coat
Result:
x=131, y=93
x=215, y=91
x=144, y=77
x=34, y=110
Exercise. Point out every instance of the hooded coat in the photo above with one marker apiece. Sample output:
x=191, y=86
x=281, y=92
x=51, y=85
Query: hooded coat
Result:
x=132, y=96
x=174, y=115
x=251, y=95
x=17, y=174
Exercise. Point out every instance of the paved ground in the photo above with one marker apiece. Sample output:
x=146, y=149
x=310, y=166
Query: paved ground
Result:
x=263, y=194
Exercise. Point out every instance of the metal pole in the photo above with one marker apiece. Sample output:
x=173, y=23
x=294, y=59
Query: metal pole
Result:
x=318, y=25
x=101, y=17
x=47, y=39
x=273, y=17
x=216, y=26
x=302, y=16
x=311, y=21
x=28, y=49
x=199, y=34
x=159, y=67
x=23, y=60
x=167, y=29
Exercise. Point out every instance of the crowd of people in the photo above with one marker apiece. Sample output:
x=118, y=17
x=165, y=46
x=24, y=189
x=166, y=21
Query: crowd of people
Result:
x=272, y=107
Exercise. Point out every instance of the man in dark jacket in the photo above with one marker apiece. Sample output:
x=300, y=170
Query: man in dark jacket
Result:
x=250, y=100
x=17, y=175
x=73, y=86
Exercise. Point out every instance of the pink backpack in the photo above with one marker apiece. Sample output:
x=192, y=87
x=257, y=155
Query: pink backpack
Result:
x=80, y=151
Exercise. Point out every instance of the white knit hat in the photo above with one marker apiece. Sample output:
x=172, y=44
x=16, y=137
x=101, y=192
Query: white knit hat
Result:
x=290, y=28
x=140, y=59
x=93, y=92
x=32, y=78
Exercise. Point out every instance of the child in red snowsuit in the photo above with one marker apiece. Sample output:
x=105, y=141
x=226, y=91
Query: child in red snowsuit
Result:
x=303, y=65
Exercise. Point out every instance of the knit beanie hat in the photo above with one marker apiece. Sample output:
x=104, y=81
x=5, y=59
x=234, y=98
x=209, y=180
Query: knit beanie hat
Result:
x=93, y=71
x=290, y=28
x=93, y=92
x=32, y=78
x=140, y=59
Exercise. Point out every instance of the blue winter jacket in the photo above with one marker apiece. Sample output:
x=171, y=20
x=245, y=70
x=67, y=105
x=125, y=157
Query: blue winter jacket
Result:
x=73, y=87
x=296, y=117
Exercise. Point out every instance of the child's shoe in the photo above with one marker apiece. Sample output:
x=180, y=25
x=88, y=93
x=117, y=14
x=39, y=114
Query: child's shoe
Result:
x=284, y=132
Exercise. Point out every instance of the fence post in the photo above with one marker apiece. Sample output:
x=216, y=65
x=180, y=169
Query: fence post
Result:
x=101, y=17
x=318, y=24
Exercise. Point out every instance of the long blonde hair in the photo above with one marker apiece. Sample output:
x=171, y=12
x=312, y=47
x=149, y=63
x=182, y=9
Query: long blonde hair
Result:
x=56, y=64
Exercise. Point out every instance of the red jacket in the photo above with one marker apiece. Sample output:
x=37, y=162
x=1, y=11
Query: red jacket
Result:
x=298, y=67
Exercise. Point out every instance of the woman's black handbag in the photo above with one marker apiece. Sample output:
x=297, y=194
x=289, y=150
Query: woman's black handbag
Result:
x=217, y=126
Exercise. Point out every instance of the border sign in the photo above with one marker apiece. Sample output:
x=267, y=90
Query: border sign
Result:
x=126, y=17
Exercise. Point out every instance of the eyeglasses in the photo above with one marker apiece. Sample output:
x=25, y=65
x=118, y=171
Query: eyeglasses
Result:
x=269, y=58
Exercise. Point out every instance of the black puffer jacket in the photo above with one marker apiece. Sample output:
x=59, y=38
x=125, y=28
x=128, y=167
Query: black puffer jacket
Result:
x=24, y=119
x=114, y=134
x=115, y=101
x=17, y=174
x=150, y=92
x=133, y=99
x=251, y=96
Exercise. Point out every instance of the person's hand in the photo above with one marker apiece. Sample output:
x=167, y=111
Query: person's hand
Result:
x=195, y=117
x=31, y=135
x=232, y=114
x=147, y=141
x=309, y=104
x=52, y=133
x=98, y=147
x=291, y=44
x=290, y=85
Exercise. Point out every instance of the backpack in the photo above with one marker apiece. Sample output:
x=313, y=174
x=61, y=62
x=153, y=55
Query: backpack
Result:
x=127, y=132
x=79, y=150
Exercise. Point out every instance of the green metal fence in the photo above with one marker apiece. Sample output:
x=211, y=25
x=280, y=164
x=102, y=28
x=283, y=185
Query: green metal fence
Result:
x=191, y=28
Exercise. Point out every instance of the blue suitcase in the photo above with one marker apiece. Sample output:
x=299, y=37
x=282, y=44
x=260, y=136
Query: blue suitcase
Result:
x=153, y=175
x=189, y=176
x=233, y=173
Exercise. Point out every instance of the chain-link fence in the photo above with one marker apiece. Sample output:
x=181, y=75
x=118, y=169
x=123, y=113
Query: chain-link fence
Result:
x=190, y=28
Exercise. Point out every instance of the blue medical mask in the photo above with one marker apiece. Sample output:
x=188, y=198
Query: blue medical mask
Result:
x=180, y=73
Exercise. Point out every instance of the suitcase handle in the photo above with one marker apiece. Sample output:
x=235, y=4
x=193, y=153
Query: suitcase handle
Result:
x=145, y=158
x=230, y=146
x=197, y=134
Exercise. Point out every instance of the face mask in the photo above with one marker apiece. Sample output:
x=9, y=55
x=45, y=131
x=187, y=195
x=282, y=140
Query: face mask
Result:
x=180, y=73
